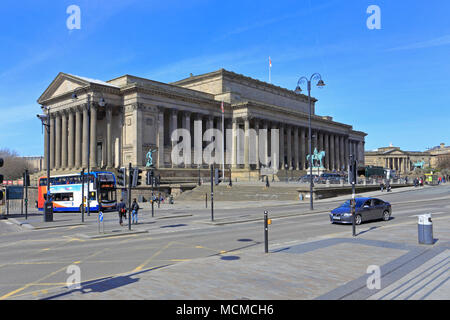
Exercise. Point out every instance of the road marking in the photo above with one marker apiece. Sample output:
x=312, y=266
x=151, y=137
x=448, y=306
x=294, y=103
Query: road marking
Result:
x=90, y=281
x=36, y=283
x=140, y=267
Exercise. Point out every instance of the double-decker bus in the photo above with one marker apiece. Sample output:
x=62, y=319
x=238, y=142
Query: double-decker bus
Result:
x=66, y=191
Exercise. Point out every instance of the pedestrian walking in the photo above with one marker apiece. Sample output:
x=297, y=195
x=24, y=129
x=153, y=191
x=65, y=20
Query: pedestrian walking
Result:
x=134, y=210
x=121, y=208
x=382, y=187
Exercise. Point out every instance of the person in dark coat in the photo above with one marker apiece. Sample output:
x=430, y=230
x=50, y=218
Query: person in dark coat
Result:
x=121, y=208
x=134, y=210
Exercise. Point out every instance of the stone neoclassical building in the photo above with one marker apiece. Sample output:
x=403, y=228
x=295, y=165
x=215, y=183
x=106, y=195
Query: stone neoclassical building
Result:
x=403, y=161
x=129, y=115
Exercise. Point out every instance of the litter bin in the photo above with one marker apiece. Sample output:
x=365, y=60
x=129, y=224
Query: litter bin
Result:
x=48, y=211
x=425, y=228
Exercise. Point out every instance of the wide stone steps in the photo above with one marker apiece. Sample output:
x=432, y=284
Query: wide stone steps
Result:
x=241, y=193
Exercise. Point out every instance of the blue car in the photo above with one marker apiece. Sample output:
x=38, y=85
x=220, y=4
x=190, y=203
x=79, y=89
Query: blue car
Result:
x=366, y=209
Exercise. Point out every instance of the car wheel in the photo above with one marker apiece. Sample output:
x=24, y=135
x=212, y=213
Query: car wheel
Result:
x=358, y=219
x=386, y=215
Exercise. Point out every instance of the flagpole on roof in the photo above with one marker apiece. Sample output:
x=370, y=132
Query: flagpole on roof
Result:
x=270, y=67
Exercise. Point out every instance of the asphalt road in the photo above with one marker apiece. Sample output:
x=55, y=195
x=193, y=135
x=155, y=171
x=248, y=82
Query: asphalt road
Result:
x=32, y=262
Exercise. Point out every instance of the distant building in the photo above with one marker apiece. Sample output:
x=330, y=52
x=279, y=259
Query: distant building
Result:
x=403, y=161
x=34, y=164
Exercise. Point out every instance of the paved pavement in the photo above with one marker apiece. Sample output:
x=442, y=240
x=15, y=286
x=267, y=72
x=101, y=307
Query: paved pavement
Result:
x=185, y=258
x=331, y=267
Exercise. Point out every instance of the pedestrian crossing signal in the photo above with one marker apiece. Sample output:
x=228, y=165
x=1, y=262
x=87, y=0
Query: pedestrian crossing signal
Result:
x=121, y=177
x=150, y=178
x=136, y=179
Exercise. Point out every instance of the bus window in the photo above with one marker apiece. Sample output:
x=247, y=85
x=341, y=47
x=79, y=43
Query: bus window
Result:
x=63, y=196
x=92, y=195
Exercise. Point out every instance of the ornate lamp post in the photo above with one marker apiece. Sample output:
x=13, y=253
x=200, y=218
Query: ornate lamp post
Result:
x=316, y=77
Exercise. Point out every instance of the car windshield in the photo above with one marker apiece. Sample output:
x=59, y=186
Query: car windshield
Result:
x=347, y=203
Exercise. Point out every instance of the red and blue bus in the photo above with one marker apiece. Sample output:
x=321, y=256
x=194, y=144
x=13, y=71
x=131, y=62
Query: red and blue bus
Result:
x=66, y=191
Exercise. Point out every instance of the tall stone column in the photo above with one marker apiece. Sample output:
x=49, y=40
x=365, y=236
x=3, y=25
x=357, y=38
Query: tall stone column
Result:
x=71, y=140
x=160, y=138
x=234, y=144
x=314, y=140
x=347, y=152
x=58, y=140
x=337, y=154
x=363, y=152
x=257, y=145
x=282, y=161
x=78, y=137
x=296, y=148
x=332, y=153
x=228, y=141
x=303, y=147
x=173, y=127
x=64, y=141
x=109, y=144
x=246, y=142
x=93, y=143
x=327, y=151
x=289, y=146
x=188, y=152
x=85, y=151
x=319, y=141
x=274, y=146
x=265, y=144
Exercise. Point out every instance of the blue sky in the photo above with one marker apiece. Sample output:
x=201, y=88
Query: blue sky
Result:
x=390, y=83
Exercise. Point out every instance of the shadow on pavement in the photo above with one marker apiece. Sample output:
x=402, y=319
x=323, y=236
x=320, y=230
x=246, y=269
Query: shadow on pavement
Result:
x=103, y=284
x=174, y=225
x=230, y=258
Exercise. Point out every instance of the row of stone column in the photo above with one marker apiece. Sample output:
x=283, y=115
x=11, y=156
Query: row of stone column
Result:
x=205, y=122
x=402, y=164
x=293, y=143
x=294, y=146
x=69, y=134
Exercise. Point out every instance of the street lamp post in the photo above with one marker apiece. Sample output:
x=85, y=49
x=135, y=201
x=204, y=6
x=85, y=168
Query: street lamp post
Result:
x=320, y=83
x=45, y=119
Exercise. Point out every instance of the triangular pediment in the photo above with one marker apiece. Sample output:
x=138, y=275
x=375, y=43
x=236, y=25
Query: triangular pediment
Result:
x=62, y=84
x=395, y=152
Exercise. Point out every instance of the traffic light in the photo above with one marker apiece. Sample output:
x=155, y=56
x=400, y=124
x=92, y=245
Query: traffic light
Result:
x=150, y=178
x=121, y=177
x=136, y=178
x=1, y=176
x=26, y=179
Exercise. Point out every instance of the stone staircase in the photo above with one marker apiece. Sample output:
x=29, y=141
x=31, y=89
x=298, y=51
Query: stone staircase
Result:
x=240, y=192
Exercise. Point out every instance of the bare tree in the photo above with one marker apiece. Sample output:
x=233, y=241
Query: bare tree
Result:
x=13, y=165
